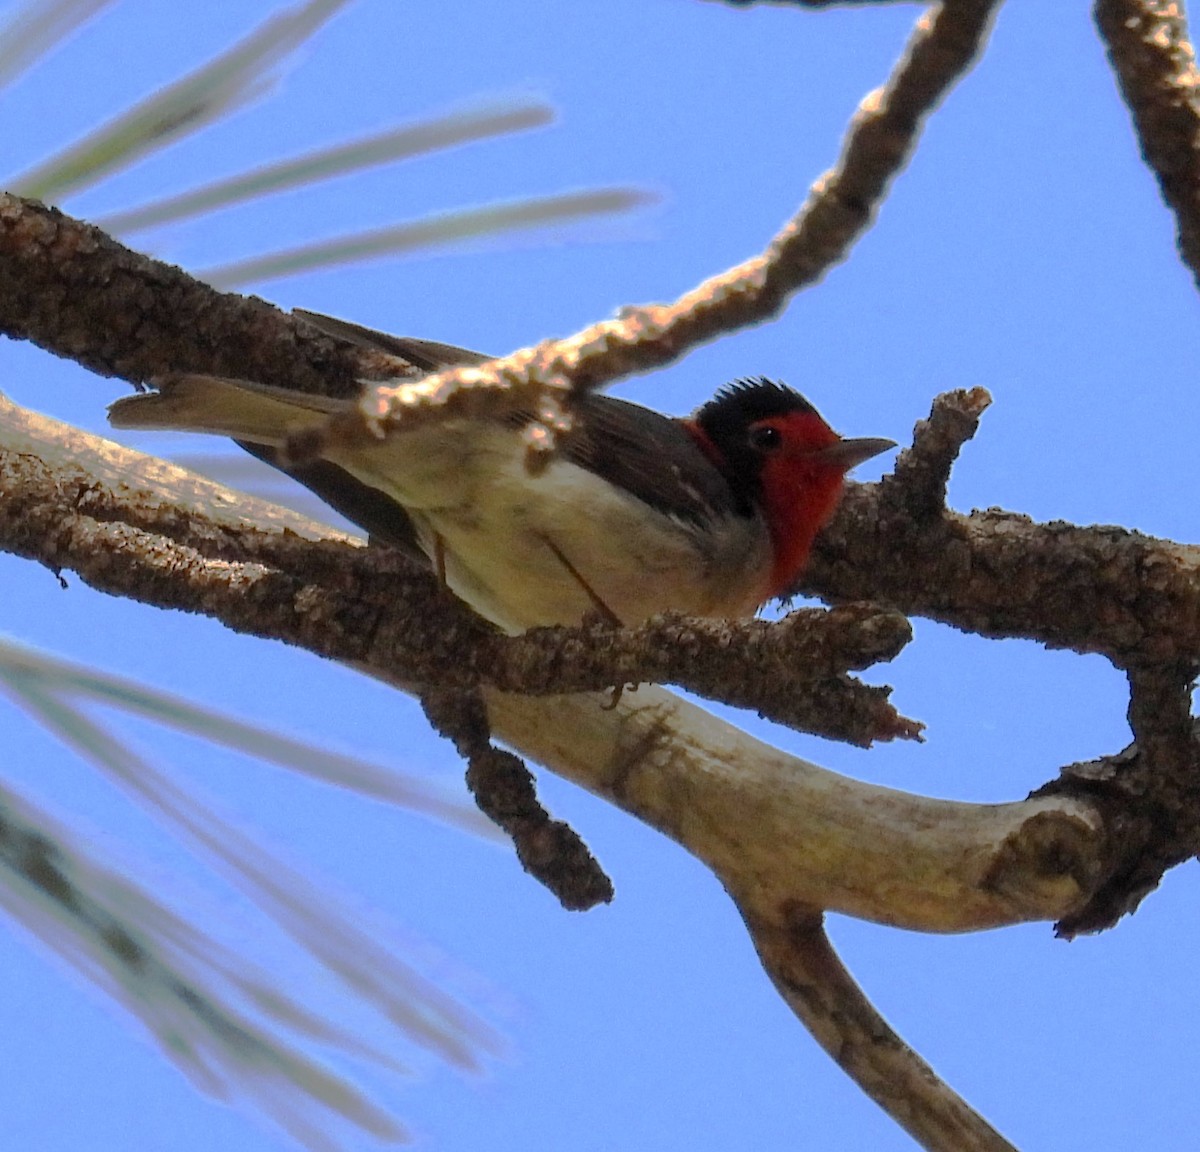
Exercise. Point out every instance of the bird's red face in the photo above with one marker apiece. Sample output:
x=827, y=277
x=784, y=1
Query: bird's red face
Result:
x=801, y=487
x=783, y=461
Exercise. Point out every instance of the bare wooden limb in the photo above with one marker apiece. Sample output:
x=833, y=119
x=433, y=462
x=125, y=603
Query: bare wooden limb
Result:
x=1130, y=597
x=812, y=979
x=73, y=509
x=73, y=290
x=780, y=831
x=758, y=817
x=1149, y=792
x=1149, y=48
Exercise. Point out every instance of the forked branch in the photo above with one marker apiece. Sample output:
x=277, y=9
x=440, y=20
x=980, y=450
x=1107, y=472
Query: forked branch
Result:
x=787, y=838
x=782, y=835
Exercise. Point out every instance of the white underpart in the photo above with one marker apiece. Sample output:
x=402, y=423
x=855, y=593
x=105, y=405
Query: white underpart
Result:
x=504, y=527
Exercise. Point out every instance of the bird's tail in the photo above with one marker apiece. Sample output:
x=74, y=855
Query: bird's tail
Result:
x=258, y=413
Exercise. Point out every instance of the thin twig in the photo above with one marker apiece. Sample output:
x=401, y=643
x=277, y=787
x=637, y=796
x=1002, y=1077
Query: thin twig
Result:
x=551, y=851
x=809, y=975
x=840, y=207
x=923, y=471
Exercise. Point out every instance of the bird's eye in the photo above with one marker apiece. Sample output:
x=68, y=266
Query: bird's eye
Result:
x=765, y=438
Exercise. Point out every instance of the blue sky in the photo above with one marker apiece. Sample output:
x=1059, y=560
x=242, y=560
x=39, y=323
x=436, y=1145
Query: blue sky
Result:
x=1025, y=250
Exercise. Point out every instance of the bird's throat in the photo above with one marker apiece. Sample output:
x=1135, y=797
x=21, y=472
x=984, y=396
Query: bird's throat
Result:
x=799, y=500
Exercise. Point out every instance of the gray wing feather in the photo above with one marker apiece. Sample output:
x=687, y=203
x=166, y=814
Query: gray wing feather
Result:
x=640, y=450
x=428, y=355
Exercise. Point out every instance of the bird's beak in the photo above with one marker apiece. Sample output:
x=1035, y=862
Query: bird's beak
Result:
x=847, y=454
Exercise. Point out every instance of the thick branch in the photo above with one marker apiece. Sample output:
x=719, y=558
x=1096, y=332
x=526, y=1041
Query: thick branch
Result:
x=76, y=292
x=1133, y=598
x=370, y=605
x=1148, y=47
x=999, y=574
x=767, y=823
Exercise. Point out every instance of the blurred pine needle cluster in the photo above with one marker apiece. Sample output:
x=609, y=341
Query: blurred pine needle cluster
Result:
x=230, y=1026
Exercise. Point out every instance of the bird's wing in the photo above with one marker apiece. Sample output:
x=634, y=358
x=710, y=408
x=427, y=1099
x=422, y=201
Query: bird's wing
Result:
x=650, y=455
x=640, y=450
x=376, y=513
x=427, y=355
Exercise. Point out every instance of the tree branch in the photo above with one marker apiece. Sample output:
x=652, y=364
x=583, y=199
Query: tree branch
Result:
x=840, y=207
x=73, y=290
x=1107, y=590
x=549, y=850
x=767, y=823
x=1148, y=46
x=808, y=974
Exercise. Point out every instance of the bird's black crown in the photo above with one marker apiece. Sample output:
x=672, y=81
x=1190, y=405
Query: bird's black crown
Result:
x=745, y=402
x=728, y=421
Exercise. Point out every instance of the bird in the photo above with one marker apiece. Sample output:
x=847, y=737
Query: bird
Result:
x=635, y=514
